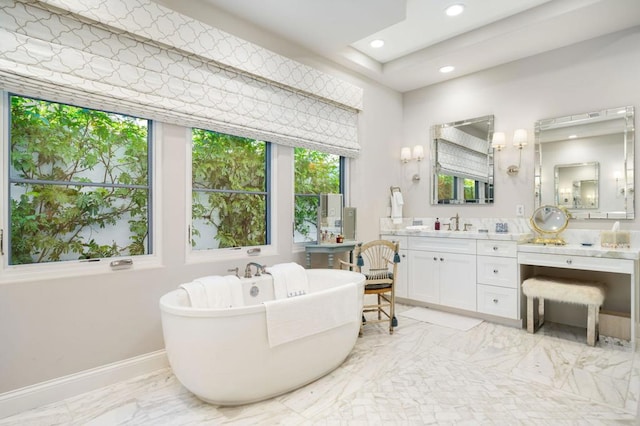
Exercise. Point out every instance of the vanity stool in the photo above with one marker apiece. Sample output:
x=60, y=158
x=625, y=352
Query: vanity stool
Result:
x=567, y=290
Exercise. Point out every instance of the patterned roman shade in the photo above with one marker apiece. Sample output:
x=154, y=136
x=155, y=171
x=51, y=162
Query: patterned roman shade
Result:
x=140, y=58
x=463, y=155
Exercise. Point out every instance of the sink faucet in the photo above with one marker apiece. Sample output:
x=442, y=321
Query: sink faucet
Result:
x=457, y=220
x=259, y=269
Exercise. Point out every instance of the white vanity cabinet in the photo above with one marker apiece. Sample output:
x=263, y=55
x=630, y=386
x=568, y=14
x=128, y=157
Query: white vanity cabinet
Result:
x=402, y=279
x=498, y=289
x=443, y=271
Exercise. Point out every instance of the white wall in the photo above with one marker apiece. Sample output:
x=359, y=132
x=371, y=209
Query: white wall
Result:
x=598, y=74
x=54, y=327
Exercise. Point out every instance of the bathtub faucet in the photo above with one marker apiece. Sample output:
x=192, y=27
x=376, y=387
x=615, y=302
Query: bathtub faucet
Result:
x=259, y=269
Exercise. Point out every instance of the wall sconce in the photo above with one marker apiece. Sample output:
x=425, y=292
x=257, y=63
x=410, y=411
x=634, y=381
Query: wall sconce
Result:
x=499, y=141
x=519, y=141
x=417, y=154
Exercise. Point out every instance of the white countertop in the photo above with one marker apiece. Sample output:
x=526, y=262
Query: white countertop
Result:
x=580, y=250
x=508, y=236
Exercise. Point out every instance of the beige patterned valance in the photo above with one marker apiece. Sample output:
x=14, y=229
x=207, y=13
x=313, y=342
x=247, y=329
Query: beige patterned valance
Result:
x=137, y=57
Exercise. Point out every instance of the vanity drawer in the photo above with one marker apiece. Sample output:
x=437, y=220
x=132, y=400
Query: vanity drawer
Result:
x=498, y=271
x=443, y=244
x=497, y=248
x=498, y=301
x=568, y=261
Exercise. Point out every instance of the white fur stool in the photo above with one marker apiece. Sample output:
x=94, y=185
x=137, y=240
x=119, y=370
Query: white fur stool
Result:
x=567, y=290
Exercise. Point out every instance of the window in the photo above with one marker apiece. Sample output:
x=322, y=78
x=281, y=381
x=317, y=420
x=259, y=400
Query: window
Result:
x=315, y=173
x=79, y=183
x=230, y=191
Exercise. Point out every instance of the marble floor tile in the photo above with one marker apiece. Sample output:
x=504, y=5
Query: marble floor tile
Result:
x=422, y=374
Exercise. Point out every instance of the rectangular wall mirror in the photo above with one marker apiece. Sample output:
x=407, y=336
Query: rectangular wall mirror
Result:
x=462, y=162
x=585, y=163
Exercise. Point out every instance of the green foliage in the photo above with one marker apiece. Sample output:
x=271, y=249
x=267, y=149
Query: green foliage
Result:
x=315, y=173
x=56, y=146
x=229, y=184
x=445, y=187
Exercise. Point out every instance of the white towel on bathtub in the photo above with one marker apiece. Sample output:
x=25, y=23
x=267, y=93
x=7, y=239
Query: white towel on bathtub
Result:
x=297, y=317
x=289, y=280
x=196, y=293
x=220, y=290
x=214, y=291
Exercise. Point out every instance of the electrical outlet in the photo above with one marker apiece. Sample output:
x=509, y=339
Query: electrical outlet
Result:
x=520, y=210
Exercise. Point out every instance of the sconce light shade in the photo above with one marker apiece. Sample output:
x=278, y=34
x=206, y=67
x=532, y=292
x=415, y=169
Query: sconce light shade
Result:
x=498, y=141
x=405, y=154
x=520, y=138
x=418, y=152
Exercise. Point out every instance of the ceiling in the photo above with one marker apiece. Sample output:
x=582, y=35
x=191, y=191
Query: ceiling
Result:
x=420, y=38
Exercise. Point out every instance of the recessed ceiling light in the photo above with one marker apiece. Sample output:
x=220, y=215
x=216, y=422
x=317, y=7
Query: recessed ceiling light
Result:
x=376, y=44
x=454, y=9
x=573, y=136
x=447, y=69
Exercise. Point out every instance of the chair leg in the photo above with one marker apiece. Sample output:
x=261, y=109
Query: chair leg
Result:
x=592, y=320
x=530, y=318
x=392, y=312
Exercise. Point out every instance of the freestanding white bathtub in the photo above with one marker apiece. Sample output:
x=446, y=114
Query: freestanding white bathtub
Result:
x=223, y=356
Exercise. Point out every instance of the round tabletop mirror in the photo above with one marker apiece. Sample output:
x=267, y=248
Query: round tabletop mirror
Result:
x=549, y=222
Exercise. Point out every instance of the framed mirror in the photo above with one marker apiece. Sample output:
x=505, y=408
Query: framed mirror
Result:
x=585, y=163
x=548, y=222
x=462, y=162
x=576, y=185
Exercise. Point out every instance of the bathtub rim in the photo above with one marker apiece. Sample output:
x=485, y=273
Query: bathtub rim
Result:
x=188, y=311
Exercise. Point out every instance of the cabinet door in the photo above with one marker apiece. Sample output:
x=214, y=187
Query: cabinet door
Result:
x=402, y=279
x=458, y=281
x=423, y=276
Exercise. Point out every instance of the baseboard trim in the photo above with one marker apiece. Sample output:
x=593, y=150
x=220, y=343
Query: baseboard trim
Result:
x=33, y=396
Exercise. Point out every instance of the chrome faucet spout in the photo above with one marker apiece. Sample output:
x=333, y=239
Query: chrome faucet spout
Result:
x=259, y=269
x=456, y=218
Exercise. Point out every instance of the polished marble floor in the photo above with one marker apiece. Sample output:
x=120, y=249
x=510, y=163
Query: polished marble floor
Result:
x=422, y=374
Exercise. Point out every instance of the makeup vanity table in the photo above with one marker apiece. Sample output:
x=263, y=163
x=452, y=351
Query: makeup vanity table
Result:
x=619, y=267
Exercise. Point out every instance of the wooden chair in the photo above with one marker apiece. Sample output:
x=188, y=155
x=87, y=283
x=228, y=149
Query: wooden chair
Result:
x=378, y=261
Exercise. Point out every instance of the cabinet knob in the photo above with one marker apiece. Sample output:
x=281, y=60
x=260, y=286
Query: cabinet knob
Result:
x=404, y=255
x=441, y=259
x=435, y=258
x=495, y=300
x=495, y=271
x=569, y=261
x=495, y=248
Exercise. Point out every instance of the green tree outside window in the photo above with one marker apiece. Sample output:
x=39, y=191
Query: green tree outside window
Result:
x=230, y=191
x=78, y=182
x=315, y=173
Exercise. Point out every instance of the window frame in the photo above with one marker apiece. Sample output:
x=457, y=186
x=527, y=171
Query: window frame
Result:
x=70, y=268
x=230, y=253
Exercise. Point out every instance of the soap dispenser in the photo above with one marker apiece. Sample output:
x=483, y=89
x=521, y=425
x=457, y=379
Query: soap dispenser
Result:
x=437, y=224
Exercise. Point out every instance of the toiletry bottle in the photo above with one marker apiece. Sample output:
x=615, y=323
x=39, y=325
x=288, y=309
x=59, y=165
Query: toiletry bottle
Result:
x=437, y=224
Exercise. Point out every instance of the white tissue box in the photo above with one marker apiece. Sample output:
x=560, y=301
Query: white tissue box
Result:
x=615, y=239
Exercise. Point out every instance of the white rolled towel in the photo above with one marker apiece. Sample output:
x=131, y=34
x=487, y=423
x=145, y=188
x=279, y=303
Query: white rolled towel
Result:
x=196, y=293
x=289, y=280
